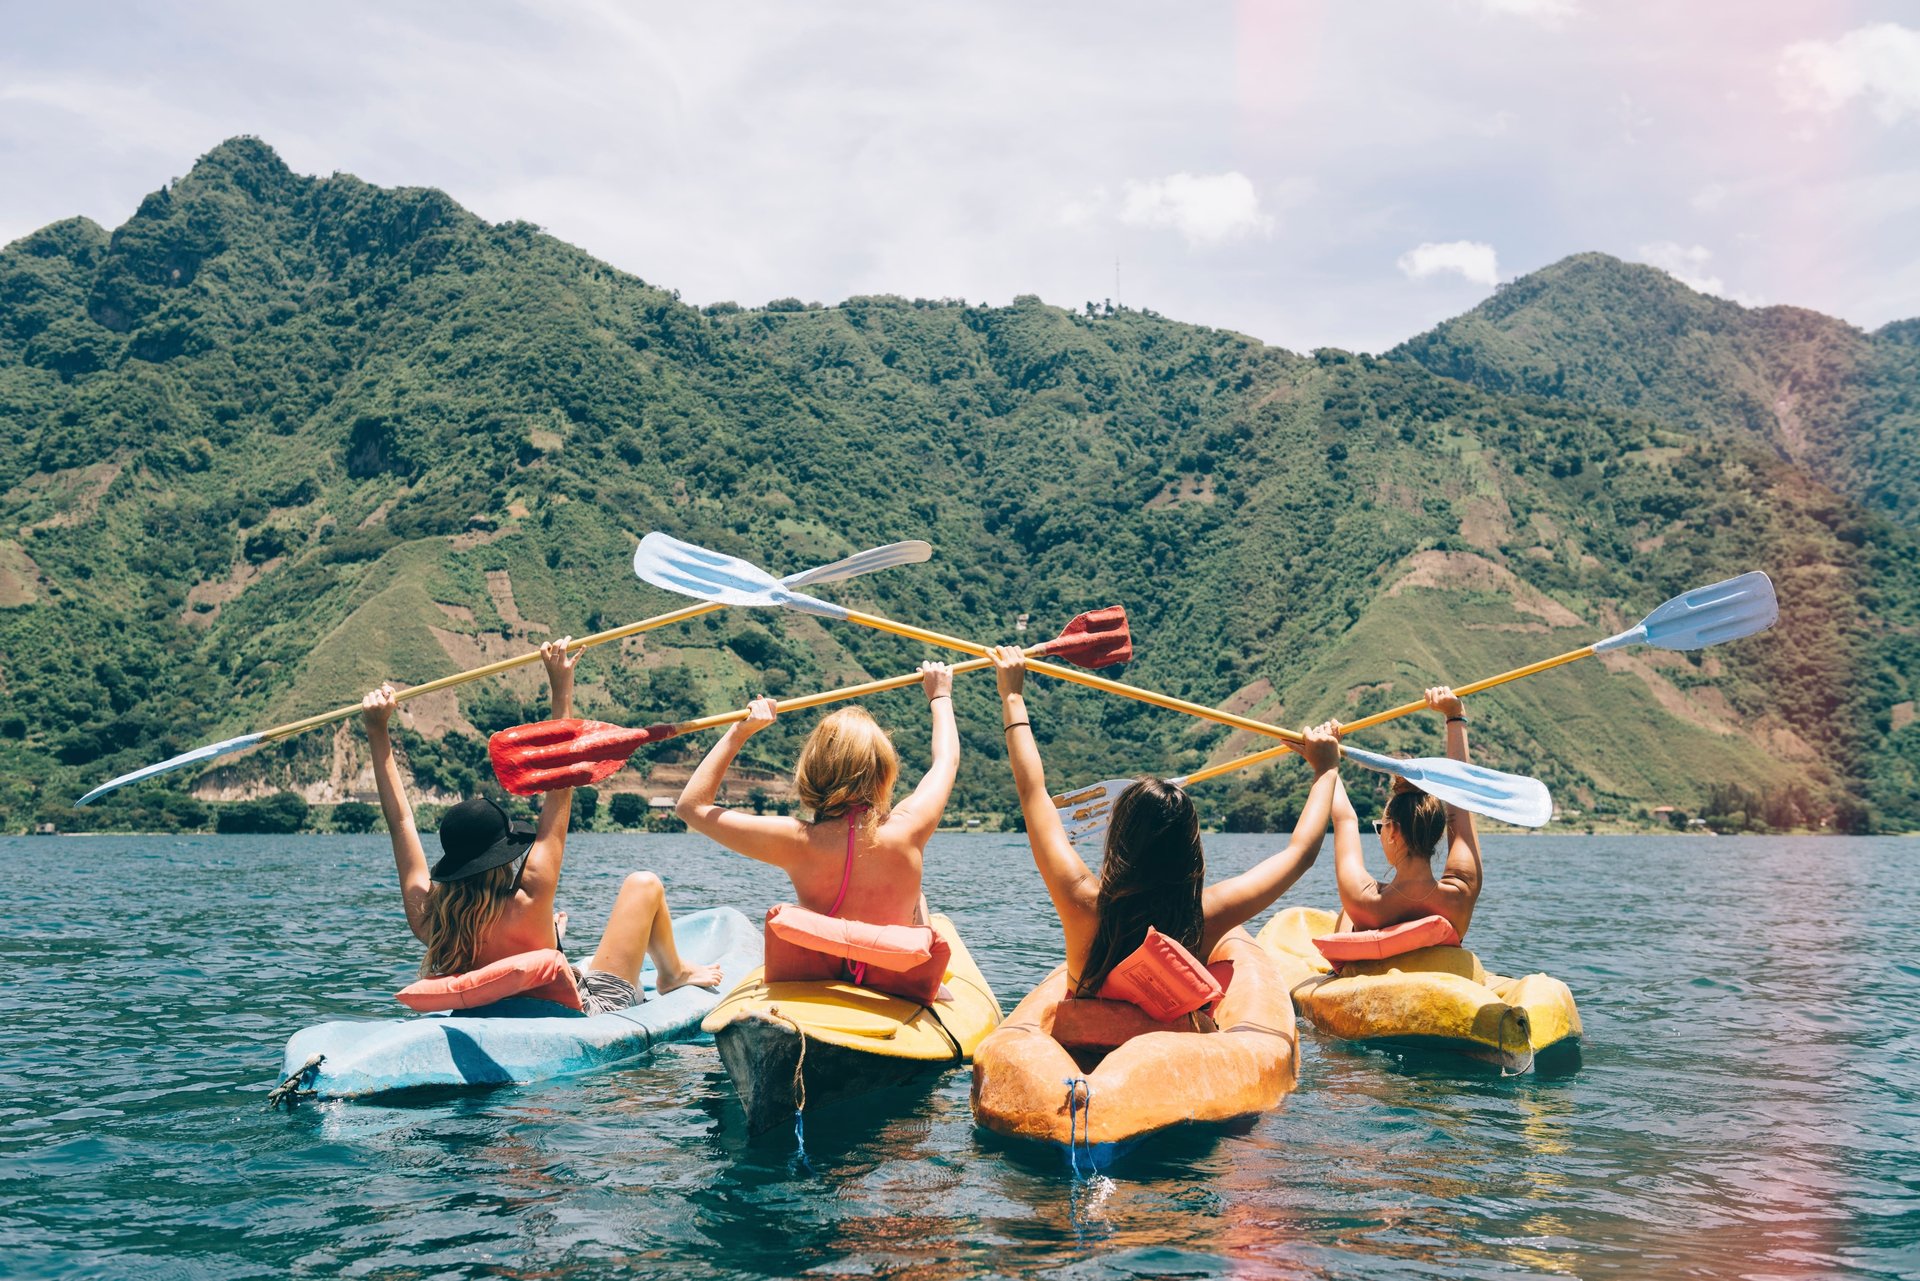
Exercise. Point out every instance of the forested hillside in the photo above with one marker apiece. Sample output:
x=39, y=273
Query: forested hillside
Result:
x=277, y=437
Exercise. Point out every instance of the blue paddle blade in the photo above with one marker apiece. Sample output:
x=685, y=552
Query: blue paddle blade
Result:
x=1705, y=616
x=1085, y=811
x=181, y=761
x=911, y=552
x=1511, y=798
x=674, y=566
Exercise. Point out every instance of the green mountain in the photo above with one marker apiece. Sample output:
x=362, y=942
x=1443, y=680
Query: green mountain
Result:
x=1595, y=331
x=276, y=438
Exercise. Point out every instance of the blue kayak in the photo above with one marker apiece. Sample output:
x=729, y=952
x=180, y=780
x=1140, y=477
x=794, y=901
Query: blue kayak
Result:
x=523, y=1039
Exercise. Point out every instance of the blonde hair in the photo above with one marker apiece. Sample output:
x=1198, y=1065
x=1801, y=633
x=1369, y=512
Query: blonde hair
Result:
x=1421, y=819
x=458, y=913
x=848, y=760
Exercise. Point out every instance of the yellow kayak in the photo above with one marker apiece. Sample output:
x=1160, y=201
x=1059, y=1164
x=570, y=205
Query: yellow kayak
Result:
x=854, y=1040
x=1434, y=998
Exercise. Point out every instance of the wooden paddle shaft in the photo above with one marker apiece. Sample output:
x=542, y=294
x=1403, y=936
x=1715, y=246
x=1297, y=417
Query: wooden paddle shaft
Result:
x=1166, y=701
x=837, y=695
x=1381, y=718
x=503, y=665
x=1407, y=709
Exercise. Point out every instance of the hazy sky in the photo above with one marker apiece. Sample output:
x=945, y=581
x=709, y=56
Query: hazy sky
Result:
x=1310, y=173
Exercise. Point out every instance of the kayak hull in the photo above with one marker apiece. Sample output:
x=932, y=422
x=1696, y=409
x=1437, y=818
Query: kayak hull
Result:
x=521, y=1040
x=1025, y=1083
x=1433, y=999
x=819, y=1043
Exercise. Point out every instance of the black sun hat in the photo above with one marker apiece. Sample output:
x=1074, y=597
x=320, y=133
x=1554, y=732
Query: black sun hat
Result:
x=477, y=836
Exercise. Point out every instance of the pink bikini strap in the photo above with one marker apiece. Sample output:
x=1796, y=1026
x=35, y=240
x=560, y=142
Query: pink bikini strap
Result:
x=846, y=874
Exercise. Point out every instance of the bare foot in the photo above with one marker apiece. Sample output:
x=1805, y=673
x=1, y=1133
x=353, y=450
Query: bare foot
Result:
x=691, y=976
x=560, y=928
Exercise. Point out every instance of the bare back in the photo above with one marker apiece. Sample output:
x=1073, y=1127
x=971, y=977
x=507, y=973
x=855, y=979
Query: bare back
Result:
x=882, y=879
x=1452, y=897
x=524, y=925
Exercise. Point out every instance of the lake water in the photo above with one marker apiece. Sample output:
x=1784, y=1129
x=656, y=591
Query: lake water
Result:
x=1749, y=1105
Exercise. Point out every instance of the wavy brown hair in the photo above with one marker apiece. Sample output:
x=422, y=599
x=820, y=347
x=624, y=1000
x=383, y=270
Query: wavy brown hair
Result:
x=459, y=912
x=848, y=760
x=1420, y=819
x=1153, y=874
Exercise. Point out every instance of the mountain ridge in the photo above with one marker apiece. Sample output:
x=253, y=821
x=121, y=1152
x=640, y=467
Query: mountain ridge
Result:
x=337, y=432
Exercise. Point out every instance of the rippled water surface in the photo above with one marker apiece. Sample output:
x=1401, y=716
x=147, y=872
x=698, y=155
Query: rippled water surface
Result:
x=1749, y=1104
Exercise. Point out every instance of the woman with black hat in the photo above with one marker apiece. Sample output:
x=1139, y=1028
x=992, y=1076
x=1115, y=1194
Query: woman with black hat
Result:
x=491, y=894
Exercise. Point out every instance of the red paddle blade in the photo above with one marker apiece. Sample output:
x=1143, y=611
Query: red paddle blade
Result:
x=1097, y=638
x=547, y=755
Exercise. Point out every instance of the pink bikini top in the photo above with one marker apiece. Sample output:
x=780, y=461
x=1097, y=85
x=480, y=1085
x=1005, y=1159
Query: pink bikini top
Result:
x=846, y=874
x=857, y=970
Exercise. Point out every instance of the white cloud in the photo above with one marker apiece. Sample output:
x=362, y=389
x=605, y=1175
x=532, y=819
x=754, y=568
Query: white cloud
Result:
x=1469, y=258
x=1708, y=199
x=1880, y=63
x=1689, y=265
x=1547, y=11
x=1207, y=209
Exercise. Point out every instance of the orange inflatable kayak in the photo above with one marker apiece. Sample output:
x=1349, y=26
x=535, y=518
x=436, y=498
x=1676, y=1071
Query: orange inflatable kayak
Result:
x=1122, y=1076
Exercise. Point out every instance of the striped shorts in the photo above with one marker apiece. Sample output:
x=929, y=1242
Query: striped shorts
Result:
x=603, y=993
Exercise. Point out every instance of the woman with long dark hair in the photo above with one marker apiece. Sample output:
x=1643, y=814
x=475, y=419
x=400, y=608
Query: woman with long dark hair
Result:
x=1154, y=871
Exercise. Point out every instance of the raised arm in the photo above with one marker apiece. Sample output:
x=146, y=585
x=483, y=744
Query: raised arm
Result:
x=1070, y=885
x=1360, y=895
x=409, y=860
x=769, y=838
x=1463, y=842
x=540, y=876
x=921, y=811
x=1239, y=899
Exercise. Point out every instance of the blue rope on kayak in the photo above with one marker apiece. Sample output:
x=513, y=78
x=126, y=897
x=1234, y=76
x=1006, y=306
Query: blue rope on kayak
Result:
x=1079, y=1099
x=799, y=1092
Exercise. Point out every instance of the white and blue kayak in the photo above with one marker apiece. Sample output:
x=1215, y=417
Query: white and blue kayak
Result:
x=521, y=1039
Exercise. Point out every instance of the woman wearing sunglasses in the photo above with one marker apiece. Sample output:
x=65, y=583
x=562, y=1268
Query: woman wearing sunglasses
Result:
x=491, y=894
x=1410, y=835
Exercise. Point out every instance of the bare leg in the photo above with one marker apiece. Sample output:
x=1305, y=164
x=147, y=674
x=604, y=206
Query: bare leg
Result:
x=639, y=927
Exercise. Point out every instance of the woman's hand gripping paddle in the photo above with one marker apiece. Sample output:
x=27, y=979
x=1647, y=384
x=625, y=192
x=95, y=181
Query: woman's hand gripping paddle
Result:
x=571, y=753
x=695, y=571
x=1710, y=615
x=911, y=552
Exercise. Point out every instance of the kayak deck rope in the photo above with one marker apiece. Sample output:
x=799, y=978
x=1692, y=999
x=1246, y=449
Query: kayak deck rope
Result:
x=297, y=1086
x=799, y=1084
x=1079, y=1099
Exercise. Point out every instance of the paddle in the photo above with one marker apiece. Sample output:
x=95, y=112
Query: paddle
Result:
x=911, y=552
x=571, y=753
x=695, y=571
x=1710, y=615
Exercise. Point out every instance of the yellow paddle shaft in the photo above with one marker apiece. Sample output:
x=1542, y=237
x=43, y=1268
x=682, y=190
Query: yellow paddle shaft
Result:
x=1407, y=709
x=503, y=665
x=1166, y=701
x=1395, y=713
x=838, y=695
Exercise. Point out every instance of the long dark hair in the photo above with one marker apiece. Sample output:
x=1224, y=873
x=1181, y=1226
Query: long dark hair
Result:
x=1153, y=875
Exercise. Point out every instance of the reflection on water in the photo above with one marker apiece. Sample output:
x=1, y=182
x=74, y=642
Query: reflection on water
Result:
x=1747, y=1105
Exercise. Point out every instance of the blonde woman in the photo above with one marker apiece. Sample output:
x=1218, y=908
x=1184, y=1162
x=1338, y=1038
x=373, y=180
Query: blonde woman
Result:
x=490, y=896
x=861, y=856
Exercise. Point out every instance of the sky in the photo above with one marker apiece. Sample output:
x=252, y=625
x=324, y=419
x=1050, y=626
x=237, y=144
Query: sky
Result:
x=1312, y=174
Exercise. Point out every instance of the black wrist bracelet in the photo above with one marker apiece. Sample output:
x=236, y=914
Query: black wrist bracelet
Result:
x=1452, y=719
x=937, y=697
x=1008, y=729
